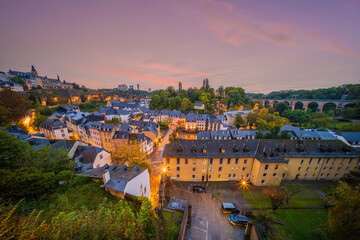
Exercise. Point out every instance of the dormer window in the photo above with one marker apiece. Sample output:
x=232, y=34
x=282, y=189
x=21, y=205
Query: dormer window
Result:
x=179, y=149
x=222, y=149
x=193, y=149
x=236, y=148
x=203, y=149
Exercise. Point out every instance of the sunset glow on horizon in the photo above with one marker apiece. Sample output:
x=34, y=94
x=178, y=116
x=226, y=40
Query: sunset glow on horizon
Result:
x=260, y=46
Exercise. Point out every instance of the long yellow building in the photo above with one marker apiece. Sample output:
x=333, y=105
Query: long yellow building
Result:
x=263, y=162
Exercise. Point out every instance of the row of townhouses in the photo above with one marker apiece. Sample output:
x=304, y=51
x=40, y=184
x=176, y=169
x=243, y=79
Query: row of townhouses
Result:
x=263, y=162
x=95, y=162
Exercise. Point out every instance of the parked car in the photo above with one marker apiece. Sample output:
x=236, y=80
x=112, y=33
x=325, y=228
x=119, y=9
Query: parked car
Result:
x=230, y=208
x=199, y=189
x=238, y=220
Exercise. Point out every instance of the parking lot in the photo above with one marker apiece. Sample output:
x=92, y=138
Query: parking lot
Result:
x=207, y=220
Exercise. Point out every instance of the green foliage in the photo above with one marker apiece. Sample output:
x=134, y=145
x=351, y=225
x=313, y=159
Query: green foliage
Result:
x=274, y=133
x=12, y=107
x=114, y=121
x=297, y=116
x=252, y=118
x=320, y=120
x=268, y=121
x=109, y=220
x=163, y=125
x=173, y=136
x=353, y=90
x=39, y=118
x=92, y=106
x=281, y=107
x=348, y=127
x=30, y=173
x=239, y=121
x=344, y=217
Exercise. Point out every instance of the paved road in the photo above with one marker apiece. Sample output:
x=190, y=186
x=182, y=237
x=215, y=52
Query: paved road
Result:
x=207, y=220
x=156, y=160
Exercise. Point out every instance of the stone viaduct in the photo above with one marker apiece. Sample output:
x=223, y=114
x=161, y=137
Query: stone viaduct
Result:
x=303, y=104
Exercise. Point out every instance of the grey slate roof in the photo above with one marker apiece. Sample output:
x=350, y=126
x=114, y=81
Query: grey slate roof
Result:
x=351, y=137
x=264, y=150
x=89, y=153
x=52, y=124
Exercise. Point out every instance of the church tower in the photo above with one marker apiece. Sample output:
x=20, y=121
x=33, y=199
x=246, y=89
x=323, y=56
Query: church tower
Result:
x=33, y=70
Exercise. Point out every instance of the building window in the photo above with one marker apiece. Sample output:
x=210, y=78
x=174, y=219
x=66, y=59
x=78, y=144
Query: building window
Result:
x=247, y=175
x=178, y=169
x=350, y=161
x=220, y=169
x=178, y=161
x=308, y=169
x=328, y=175
x=234, y=175
x=220, y=161
x=211, y=161
x=321, y=175
x=229, y=175
x=327, y=161
x=236, y=161
x=284, y=175
x=194, y=169
x=336, y=174
x=267, y=167
x=210, y=169
x=193, y=176
x=194, y=161
x=310, y=161
x=101, y=156
x=168, y=161
x=330, y=168
x=314, y=175
x=305, y=175
x=244, y=168
x=186, y=161
x=229, y=161
x=177, y=175
x=232, y=169
x=219, y=176
x=168, y=168
x=302, y=161
x=262, y=181
x=245, y=161
x=209, y=177
x=299, y=169
x=324, y=169
x=277, y=167
x=339, y=168
x=319, y=161
x=274, y=174
x=265, y=174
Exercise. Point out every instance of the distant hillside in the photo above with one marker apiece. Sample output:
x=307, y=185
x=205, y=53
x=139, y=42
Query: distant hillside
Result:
x=352, y=90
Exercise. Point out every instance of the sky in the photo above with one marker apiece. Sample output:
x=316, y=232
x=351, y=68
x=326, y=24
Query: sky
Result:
x=259, y=45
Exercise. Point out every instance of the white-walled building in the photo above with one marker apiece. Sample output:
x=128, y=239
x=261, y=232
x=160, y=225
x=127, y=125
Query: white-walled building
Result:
x=55, y=129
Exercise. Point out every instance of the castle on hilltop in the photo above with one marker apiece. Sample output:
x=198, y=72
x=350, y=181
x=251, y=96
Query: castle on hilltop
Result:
x=32, y=79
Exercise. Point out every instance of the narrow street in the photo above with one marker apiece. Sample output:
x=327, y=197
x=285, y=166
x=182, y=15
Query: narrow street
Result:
x=156, y=164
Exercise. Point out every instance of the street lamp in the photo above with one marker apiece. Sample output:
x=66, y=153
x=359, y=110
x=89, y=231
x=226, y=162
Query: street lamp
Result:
x=164, y=170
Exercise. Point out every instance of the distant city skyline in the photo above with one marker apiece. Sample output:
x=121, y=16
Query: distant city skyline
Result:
x=261, y=46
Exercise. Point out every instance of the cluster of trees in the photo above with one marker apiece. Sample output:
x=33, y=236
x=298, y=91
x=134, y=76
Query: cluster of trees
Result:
x=25, y=172
x=352, y=90
x=265, y=119
x=35, y=205
x=75, y=214
x=184, y=100
x=13, y=107
x=130, y=153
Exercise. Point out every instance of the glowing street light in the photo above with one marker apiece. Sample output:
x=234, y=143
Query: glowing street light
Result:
x=164, y=169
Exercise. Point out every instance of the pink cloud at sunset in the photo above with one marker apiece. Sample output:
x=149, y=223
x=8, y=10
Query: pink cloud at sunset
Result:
x=259, y=45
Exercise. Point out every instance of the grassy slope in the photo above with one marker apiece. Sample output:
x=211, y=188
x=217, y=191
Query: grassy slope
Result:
x=305, y=198
x=172, y=225
x=326, y=188
x=300, y=224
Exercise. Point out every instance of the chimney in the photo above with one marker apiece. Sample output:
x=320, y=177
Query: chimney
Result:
x=106, y=177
